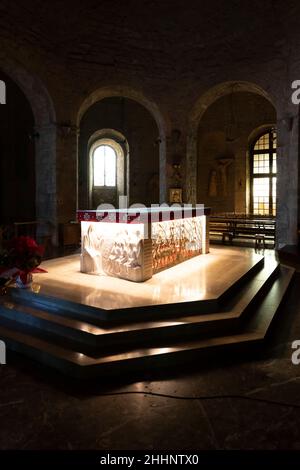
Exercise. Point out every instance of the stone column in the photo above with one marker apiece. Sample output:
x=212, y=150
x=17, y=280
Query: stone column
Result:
x=56, y=178
x=287, y=178
x=191, y=168
x=163, y=196
x=46, y=187
x=67, y=172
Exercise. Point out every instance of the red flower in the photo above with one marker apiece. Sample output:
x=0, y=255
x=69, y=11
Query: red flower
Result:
x=25, y=254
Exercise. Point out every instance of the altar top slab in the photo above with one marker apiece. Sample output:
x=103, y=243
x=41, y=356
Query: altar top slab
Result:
x=204, y=277
x=141, y=214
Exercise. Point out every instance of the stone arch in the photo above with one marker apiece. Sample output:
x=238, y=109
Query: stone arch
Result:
x=259, y=131
x=161, y=122
x=198, y=110
x=34, y=90
x=45, y=143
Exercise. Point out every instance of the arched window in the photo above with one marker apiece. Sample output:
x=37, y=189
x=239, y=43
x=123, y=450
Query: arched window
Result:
x=104, y=166
x=263, y=174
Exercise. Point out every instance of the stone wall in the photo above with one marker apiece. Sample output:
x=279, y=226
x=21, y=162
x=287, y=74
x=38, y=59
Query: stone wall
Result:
x=169, y=56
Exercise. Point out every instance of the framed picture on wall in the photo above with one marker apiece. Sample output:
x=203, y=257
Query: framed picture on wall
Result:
x=175, y=195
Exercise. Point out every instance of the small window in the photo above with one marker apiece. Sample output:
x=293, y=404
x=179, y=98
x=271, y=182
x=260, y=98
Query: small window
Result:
x=104, y=166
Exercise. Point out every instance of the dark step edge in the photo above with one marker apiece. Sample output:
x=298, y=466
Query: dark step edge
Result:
x=137, y=335
x=43, y=352
x=260, y=293
x=91, y=314
x=266, y=309
x=61, y=359
x=96, y=315
x=88, y=367
x=243, y=279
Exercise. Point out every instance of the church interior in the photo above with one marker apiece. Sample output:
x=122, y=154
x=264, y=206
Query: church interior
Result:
x=149, y=225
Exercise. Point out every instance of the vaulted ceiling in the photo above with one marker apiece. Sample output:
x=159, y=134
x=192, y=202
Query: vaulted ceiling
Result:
x=171, y=34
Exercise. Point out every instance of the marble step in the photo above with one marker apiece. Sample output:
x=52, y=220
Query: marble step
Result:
x=80, y=365
x=143, y=331
x=96, y=315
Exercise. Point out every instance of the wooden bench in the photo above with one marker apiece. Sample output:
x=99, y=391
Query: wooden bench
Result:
x=260, y=229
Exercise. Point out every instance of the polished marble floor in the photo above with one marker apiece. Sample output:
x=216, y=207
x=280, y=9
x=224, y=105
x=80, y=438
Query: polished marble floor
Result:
x=202, y=277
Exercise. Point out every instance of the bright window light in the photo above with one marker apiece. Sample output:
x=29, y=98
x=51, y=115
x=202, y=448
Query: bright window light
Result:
x=105, y=160
x=264, y=174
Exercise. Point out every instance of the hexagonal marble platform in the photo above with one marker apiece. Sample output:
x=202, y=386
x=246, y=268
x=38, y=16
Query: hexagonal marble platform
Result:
x=203, y=278
x=91, y=326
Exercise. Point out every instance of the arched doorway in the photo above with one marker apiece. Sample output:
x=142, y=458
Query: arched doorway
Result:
x=223, y=169
x=201, y=106
x=157, y=180
x=43, y=141
x=120, y=124
x=17, y=156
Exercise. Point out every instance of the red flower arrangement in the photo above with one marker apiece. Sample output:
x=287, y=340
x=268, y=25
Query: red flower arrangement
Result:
x=24, y=255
